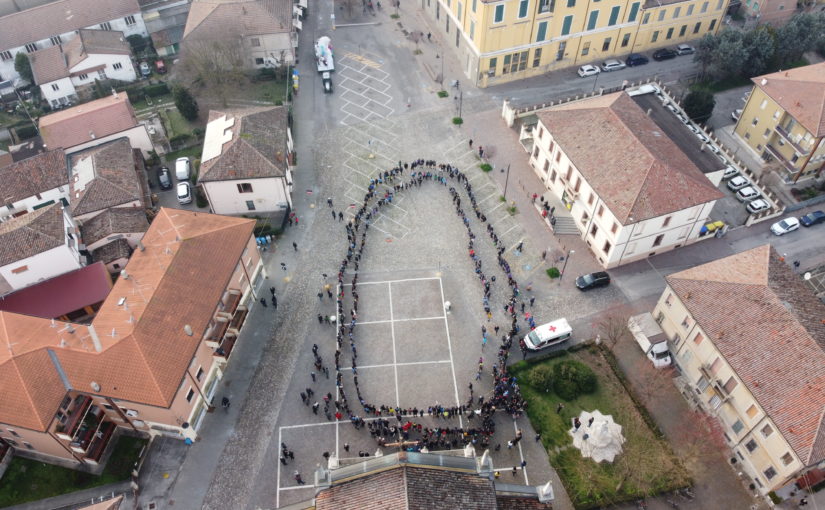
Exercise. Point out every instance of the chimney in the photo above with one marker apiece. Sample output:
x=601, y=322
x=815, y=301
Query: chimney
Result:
x=187, y=329
x=91, y=134
x=648, y=111
x=95, y=338
x=140, y=246
x=124, y=274
x=764, y=81
x=114, y=92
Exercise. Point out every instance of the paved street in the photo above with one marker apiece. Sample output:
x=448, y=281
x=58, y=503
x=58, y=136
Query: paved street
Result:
x=384, y=109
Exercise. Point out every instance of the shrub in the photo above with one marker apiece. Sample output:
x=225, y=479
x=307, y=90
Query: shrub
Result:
x=200, y=198
x=185, y=103
x=458, y=121
x=572, y=378
x=443, y=93
x=553, y=272
x=541, y=377
x=180, y=140
x=512, y=210
x=156, y=90
x=198, y=132
x=486, y=167
x=25, y=132
x=699, y=104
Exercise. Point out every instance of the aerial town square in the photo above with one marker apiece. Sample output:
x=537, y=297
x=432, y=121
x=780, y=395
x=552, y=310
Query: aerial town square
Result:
x=425, y=254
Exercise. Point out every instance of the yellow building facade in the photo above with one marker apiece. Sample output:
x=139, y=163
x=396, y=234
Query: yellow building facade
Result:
x=502, y=41
x=784, y=121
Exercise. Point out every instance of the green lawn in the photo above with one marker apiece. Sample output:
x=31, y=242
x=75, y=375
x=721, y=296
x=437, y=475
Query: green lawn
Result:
x=191, y=152
x=175, y=123
x=270, y=91
x=646, y=466
x=29, y=480
x=143, y=104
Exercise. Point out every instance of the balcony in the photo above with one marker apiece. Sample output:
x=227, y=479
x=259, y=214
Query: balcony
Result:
x=787, y=137
x=100, y=441
x=772, y=152
x=86, y=432
x=231, y=332
x=71, y=417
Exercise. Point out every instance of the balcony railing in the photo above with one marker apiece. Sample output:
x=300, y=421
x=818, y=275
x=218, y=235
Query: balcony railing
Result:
x=100, y=441
x=91, y=423
x=781, y=159
x=75, y=414
x=787, y=137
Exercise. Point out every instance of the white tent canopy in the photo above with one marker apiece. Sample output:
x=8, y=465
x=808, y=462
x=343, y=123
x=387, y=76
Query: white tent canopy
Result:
x=600, y=441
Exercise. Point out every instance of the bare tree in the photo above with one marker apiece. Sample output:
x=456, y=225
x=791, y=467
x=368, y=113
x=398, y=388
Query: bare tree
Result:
x=348, y=6
x=416, y=36
x=612, y=328
x=217, y=66
x=649, y=380
x=699, y=437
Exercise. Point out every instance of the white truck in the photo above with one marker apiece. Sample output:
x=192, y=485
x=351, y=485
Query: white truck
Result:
x=323, y=55
x=651, y=339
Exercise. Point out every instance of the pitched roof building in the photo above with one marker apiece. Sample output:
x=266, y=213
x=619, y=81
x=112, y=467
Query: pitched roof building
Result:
x=117, y=221
x=245, y=165
x=93, y=123
x=105, y=176
x=749, y=334
x=31, y=182
x=135, y=352
x=620, y=174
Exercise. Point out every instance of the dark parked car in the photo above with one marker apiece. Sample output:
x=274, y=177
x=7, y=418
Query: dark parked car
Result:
x=811, y=219
x=593, y=280
x=664, y=54
x=636, y=59
x=165, y=178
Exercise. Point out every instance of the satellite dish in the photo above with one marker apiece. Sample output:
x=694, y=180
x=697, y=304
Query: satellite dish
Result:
x=807, y=275
x=95, y=387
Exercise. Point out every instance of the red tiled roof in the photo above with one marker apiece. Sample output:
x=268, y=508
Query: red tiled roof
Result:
x=103, y=176
x=85, y=122
x=800, y=92
x=95, y=42
x=186, y=265
x=32, y=233
x=637, y=171
x=62, y=294
x=37, y=174
x=212, y=19
x=48, y=65
x=770, y=328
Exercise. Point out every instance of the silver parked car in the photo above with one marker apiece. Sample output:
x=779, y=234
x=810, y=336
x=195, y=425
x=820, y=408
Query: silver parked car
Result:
x=613, y=65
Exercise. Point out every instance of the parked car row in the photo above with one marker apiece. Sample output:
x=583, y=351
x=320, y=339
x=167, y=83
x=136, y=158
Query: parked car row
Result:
x=635, y=59
x=182, y=172
x=790, y=224
x=745, y=192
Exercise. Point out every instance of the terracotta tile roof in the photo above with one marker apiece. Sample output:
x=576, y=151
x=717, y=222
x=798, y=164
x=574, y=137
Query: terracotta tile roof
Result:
x=187, y=263
x=85, y=122
x=59, y=17
x=219, y=19
x=33, y=175
x=32, y=233
x=110, y=252
x=117, y=220
x=103, y=177
x=624, y=156
x=257, y=147
x=48, y=65
x=773, y=337
x=95, y=42
x=800, y=92
x=517, y=503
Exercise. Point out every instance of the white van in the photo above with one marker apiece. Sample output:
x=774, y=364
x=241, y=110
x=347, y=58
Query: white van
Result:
x=182, y=168
x=548, y=334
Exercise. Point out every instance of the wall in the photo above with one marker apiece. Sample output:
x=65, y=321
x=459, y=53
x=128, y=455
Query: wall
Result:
x=42, y=442
x=131, y=238
x=65, y=92
x=138, y=137
x=708, y=22
x=126, y=73
x=268, y=195
x=7, y=66
x=29, y=203
x=42, y=266
x=271, y=46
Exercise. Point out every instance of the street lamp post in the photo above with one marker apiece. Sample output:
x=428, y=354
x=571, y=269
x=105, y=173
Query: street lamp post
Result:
x=571, y=252
x=506, y=181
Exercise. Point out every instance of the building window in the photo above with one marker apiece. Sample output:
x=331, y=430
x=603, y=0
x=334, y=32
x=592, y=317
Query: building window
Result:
x=472, y=29
x=473, y=5
x=698, y=340
x=558, y=157
x=562, y=47
x=585, y=48
x=522, y=9
x=13, y=432
x=105, y=26
x=666, y=222
x=601, y=211
x=199, y=375
x=30, y=447
x=662, y=15
x=515, y=62
x=646, y=18
x=729, y=385
x=655, y=36
x=498, y=17
x=755, y=121
x=606, y=247
x=606, y=44
x=535, y=152
x=614, y=15
x=767, y=430
x=682, y=30
x=625, y=40
x=750, y=445
x=614, y=228
x=546, y=166
x=259, y=61
x=696, y=27
x=31, y=47
x=565, y=28
x=766, y=133
x=244, y=187
x=537, y=57
x=669, y=33
x=10, y=441
x=6, y=55
x=255, y=42
x=553, y=176
x=82, y=77
x=542, y=32
x=56, y=40
x=592, y=20
x=594, y=230
x=712, y=24
x=689, y=10
x=787, y=458
x=715, y=402
x=250, y=205
x=737, y=426
x=704, y=8
x=117, y=66
x=751, y=412
x=719, y=4
x=658, y=240
x=491, y=71
x=571, y=3
x=634, y=11
x=545, y=6
x=461, y=8
x=569, y=174
x=590, y=199
x=770, y=472
x=190, y=395
x=676, y=12
x=686, y=322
